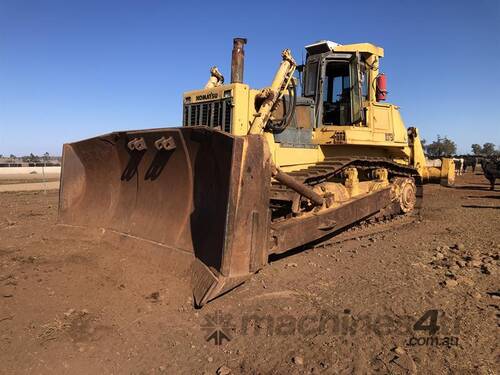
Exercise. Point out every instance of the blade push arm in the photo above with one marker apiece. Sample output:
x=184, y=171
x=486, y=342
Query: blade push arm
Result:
x=272, y=94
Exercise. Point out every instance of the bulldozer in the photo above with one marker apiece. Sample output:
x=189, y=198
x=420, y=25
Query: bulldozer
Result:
x=255, y=172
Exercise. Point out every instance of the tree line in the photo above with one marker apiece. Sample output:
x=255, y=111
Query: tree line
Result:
x=31, y=158
x=445, y=147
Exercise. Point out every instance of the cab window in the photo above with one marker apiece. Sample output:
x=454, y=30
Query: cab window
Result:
x=311, y=78
x=364, y=82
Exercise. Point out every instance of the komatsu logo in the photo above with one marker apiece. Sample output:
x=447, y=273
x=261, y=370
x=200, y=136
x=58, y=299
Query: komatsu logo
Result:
x=209, y=96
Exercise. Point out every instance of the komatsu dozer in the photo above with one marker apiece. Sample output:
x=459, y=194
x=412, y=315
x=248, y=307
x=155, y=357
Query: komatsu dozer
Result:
x=255, y=172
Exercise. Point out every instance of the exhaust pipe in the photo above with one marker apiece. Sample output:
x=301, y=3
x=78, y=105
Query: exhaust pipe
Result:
x=238, y=60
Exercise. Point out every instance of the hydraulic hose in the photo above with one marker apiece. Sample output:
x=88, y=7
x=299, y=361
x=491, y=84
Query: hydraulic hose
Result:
x=282, y=124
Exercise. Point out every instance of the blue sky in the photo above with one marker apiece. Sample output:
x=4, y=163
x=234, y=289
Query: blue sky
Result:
x=75, y=69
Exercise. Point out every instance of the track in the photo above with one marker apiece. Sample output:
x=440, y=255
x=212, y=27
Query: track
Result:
x=370, y=228
x=330, y=169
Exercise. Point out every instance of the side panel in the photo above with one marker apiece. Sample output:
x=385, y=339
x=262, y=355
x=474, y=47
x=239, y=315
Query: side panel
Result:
x=381, y=118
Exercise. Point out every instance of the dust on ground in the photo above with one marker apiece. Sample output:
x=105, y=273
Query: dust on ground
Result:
x=70, y=303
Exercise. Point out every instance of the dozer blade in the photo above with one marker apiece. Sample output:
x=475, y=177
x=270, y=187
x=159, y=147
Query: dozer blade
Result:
x=444, y=175
x=192, y=189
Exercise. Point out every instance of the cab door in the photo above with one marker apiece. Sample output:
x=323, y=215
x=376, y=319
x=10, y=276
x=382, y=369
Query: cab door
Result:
x=340, y=99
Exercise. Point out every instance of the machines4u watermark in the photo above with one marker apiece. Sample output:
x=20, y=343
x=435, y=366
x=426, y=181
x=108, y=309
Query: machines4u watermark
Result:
x=220, y=327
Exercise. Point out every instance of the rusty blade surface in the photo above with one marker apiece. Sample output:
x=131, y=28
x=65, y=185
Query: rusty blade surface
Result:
x=152, y=194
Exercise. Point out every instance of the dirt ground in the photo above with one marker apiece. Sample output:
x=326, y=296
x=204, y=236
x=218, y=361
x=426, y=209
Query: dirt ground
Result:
x=365, y=302
x=26, y=181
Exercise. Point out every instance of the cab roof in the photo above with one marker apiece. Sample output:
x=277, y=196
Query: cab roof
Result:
x=324, y=46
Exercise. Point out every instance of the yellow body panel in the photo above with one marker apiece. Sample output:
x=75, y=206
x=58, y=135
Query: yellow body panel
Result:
x=290, y=159
x=384, y=129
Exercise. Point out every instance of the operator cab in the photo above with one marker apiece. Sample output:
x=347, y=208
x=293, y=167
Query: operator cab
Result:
x=337, y=82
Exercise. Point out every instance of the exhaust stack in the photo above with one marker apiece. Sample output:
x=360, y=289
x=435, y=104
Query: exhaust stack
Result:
x=238, y=60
